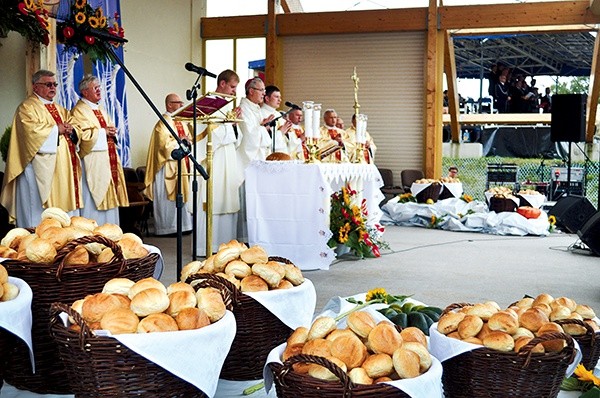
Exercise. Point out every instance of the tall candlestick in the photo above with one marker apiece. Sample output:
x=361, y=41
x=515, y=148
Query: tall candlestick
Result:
x=307, y=109
x=316, y=120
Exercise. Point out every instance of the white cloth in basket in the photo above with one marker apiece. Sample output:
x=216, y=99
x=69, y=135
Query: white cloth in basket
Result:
x=16, y=317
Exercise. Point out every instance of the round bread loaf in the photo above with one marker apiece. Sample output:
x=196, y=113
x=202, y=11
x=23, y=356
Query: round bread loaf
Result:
x=146, y=283
x=359, y=376
x=523, y=340
x=191, y=318
x=149, y=301
x=281, y=156
x=322, y=373
x=270, y=272
x=293, y=274
x=10, y=291
x=298, y=336
x=57, y=214
x=105, y=256
x=593, y=324
x=291, y=350
x=473, y=340
x=421, y=350
x=79, y=256
x=253, y=255
x=533, y=319
x=523, y=332
x=157, y=323
x=321, y=327
x=361, y=323
x=254, y=283
x=57, y=235
x=406, y=363
x=552, y=345
x=384, y=339
x=483, y=310
x=211, y=301
x=284, y=284
x=132, y=248
x=178, y=286
x=339, y=333
x=190, y=269
x=504, y=321
x=350, y=350
x=500, y=341
x=3, y=274
x=413, y=334
x=86, y=224
x=545, y=308
x=470, y=326
x=559, y=312
x=120, y=321
x=564, y=302
x=585, y=311
x=525, y=302
x=543, y=298
x=95, y=306
x=40, y=251
x=179, y=300
x=224, y=256
x=110, y=231
x=317, y=347
x=378, y=365
x=7, y=252
x=238, y=268
x=11, y=235
x=448, y=322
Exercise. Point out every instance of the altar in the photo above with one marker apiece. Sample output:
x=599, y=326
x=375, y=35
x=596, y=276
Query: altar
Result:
x=288, y=204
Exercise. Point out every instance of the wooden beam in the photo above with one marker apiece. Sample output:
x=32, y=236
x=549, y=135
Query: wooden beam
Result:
x=432, y=157
x=233, y=27
x=594, y=92
x=521, y=14
x=271, y=61
x=595, y=7
x=525, y=29
x=450, y=70
x=501, y=118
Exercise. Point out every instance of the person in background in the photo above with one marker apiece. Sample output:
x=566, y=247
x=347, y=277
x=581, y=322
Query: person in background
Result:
x=227, y=175
x=339, y=123
x=452, y=172
x=43, y=168
x=255, y=128
x=161, y=171
x=103, y=193
x=331, y=134
x=350, y=142
x=546, y=101
x=297, y=139
x=270, y=106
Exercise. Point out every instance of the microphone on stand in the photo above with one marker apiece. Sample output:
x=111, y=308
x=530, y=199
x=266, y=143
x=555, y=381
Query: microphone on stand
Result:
x=199, y=70
x=292, y=105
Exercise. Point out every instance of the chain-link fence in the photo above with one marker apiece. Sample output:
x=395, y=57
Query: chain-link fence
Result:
x=473, y=173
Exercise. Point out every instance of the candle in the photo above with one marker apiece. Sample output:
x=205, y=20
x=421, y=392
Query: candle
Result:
x=316, y=121
x=308, y=113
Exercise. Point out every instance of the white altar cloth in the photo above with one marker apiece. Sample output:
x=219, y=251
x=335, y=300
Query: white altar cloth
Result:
x=288, y=204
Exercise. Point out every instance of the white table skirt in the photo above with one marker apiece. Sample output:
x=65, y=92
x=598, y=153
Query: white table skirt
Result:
x=288, y=204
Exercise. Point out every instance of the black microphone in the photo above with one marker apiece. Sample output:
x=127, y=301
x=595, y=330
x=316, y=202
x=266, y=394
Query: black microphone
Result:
x=199, y=70
x=103, y=35
x=291, y=105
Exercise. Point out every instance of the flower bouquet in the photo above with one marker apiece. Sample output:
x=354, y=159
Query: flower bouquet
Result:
x=27, y=17
x=76, y=31
x=348, y=224
x=583, y=380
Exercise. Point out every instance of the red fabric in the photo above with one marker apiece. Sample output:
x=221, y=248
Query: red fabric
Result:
x=112, y=150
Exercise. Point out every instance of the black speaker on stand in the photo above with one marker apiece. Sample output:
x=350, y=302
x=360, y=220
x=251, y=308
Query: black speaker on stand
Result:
x=572, y=212
x=590, y=233
x=568, y=123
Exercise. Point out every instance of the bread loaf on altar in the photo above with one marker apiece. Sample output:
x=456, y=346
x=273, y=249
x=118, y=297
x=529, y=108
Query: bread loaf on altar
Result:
x=278, y=156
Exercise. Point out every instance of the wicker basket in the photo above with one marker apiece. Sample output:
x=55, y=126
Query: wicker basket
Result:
x=446, y=194
x=290, y=384
x=258, y=332
x=431, y=192
x=7, y=340
x=58, y=282
x=100, y=366
x=588, y=343
x=487, y=373
x=502, y=204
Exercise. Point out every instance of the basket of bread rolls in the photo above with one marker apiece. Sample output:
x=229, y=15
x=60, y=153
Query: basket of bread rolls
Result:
x=364, y=359
x=431, y=193
x=61, y=259
x=101, y=362
x=243, y=270
x=489, y=352
x=578, y=320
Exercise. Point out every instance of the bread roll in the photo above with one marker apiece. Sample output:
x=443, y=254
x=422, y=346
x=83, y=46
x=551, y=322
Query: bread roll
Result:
x=523, y=332
x=350, y=350
x=86, y=224
x=470, y=326
x=10, y=291
x=179, y=300
x=178, y=286
x=473, y=340
x=40, y=251
x=545, y=308
x=191, y=318
x=209, y=265
x=378, y=365
x=291, y=350
x=280, y=156
x=360, y=376
x=120, y=321
x=57, y=214
x=421, y=351
x=190, y=268
x=322, y=373
x=293, y=274
x=7, y=252
x=564, y=302
x=234, y=281
x=132, y=248
x=253, y=255
x=574, y=329
x=500, y=341
x=483, y=310
x=149, y=301
x=504, y=321
x=269, y=272
x=523, y=340
x=110, y=231
x=118, y=286
x=211, y=301
x=224, y=256
x=413, y=334
x=550, y=327
x=95, y=248
x=559, y=312
x=317, y=347
x=11, y=235
x=96, y=305
x=146, y=283
x=384, y=339
x=339, y=333
x=543, y=298
x=3, y=274
x=361, y=323
x=284, y=284
x=525, y=302
x=238, y=268
x=533, y=319
x=79, y=256
x=585, y=311
x=57, y=235
x=105, y=256
x=449, y=322
x=321, y=327
x=157, y=323
x=254, y=283
x=298, y=336
x=593, y=324
x=406, y=363
x=47, y=224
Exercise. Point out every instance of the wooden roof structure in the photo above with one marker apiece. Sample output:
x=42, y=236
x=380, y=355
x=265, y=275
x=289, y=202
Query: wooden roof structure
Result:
x=443, y=26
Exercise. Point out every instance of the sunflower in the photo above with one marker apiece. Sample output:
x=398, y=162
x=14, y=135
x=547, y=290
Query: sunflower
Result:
x=102, y=22
x=80, y=18
x=552, y=220
x=377, y=293
x=344, y=230
x=99, y=12
x=29, y=4
x=79, y=4
x=586, y=375
x=93, y=21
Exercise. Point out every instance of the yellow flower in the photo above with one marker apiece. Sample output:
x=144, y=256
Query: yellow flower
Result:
x=102, y=22
x=79, y=4
x=343, y=234
x=586, y=375
x=356, y=212
x=99, y=12
x=80, y=18
x=552, y=220
x=29, y=4
x=433, y=219
x=377, y=293
x=93, y=21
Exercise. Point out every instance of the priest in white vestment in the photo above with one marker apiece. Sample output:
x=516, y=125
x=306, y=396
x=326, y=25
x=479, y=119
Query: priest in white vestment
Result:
x=227, y=174
x=297, y=139
x=103, y=192
x=43, y=168
x=330, y=136
x=349, y=138
x=161, y=172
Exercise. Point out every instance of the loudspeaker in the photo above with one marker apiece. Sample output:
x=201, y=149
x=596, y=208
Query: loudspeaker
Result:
x=590, y=233
x=572, y=212
x=568, y=117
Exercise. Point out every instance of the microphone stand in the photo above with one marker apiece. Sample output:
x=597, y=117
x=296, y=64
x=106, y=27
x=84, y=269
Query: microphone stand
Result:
x=273, y=124
x=177, y=154
x=192, y=94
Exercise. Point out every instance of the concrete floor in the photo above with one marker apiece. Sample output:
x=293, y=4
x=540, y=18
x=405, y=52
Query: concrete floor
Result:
x=441, y=267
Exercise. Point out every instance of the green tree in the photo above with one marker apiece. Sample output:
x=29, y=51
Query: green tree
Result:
x=575, y=85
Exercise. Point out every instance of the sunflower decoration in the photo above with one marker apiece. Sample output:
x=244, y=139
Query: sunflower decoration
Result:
x=583, y=380
x=348, y=224
x=29, y=18
x=75, y=31
x=406, y=198
x=551, y=223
